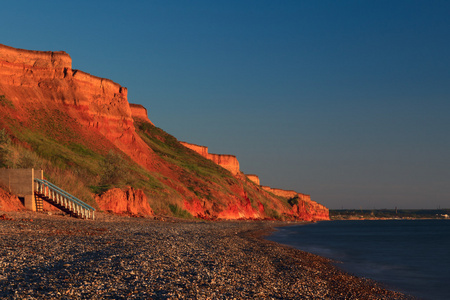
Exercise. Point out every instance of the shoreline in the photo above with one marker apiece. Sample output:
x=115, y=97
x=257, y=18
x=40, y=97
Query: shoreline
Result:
x=59, y=257
x=343, y=285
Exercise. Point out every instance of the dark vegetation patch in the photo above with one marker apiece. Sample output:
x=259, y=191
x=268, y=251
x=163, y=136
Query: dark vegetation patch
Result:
x=293, y=201
x=5, y=102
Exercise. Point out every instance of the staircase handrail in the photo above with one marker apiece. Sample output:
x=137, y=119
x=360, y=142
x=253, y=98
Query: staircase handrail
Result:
x=64, y=193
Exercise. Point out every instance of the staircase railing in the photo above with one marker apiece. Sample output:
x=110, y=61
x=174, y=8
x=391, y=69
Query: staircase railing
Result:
x=62, y=199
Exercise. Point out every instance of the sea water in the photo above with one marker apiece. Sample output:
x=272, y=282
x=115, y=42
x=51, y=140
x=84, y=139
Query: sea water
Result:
x=409, y=256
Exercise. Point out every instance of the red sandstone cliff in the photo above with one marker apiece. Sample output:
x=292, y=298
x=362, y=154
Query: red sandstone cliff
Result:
x=303, y=208
x=139, y=111
x=226, y=161
x=285, y=193
x=9, y=202
x=202, y=150
x=44, y=90
x=46, y=81
x=253, y=178
x=127, y=201
x=303, y=205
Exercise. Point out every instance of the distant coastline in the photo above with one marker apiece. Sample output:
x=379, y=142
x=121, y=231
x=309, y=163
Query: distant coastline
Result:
x=388, y=214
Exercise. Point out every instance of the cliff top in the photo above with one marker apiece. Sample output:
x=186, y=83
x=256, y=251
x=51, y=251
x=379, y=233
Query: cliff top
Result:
x=56, y=59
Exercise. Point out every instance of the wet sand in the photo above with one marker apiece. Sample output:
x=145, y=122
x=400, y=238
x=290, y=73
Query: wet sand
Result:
x=59, y=257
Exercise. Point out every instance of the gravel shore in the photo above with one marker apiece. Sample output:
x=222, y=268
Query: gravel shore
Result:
x=58, y=257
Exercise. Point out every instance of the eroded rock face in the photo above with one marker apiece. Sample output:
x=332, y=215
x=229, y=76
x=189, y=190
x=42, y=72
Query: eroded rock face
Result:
x=235, y=209
x=310, y=211
x=238, y=207
x=253, y=178
x=10, y=202
x=46, y=81
x=139, y=111
x=241, y=210
x=226, y=161
x=38, y=59
x=127, y=201
x=306, y=209
x=282, y=193
x=202, y=150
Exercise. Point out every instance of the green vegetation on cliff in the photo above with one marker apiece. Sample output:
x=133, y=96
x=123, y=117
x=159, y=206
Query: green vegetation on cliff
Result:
x=88, y=166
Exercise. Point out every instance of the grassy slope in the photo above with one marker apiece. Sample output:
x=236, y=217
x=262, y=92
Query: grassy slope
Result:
x=201, y=178
x=83, y=162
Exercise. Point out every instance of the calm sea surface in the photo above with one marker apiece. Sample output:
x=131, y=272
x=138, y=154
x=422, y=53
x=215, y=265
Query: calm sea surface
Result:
x=410, y=256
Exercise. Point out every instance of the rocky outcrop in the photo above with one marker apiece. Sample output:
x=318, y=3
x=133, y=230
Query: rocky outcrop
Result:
x=242, y=210
x=226, y=161
x=139, y=111
x=127, y=201
x=202, y=150
x=236, y=208
x=310, y=211
x=302, y=205
x=253, y=178
x=283, y=193
x=10, y=202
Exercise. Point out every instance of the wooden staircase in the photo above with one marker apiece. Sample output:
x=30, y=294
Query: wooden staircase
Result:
x=69, y=204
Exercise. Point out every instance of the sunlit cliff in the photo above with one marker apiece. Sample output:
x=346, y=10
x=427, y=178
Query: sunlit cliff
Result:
x=78, y=127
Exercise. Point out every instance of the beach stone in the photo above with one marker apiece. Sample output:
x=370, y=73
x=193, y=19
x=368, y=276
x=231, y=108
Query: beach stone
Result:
x=137, y=258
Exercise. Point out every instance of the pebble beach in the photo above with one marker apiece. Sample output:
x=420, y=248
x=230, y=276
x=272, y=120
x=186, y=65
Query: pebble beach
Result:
x=114, y=257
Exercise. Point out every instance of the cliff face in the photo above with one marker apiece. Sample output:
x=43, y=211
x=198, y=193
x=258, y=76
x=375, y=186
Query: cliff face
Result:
x=253, y=178
x=310, y=211
x=226, y=161
x=45, y=81
x=38, y=59
x=41, y=93
x=202, y=150
x=306, y=208
x=284, y=193
x=140, y=112
x=128, y=201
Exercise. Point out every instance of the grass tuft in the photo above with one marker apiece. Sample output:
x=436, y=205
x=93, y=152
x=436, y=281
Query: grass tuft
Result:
x=5, y=102
x=179, y=212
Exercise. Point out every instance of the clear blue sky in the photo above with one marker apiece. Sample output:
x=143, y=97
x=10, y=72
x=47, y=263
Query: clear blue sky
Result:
x=345, y=100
